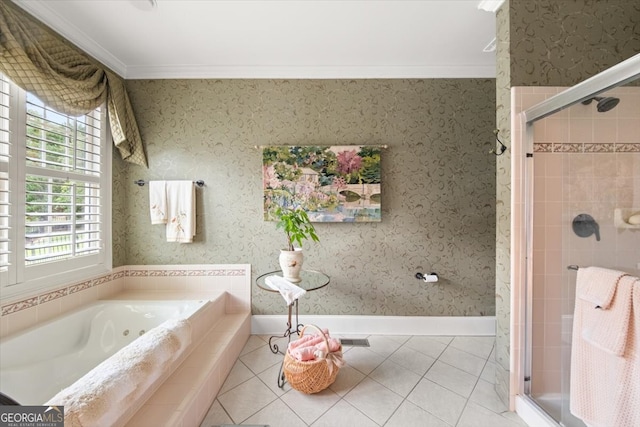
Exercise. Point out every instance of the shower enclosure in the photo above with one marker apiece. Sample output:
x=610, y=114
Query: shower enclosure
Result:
x=579, y=170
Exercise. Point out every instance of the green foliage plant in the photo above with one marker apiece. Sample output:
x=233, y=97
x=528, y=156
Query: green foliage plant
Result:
x=296, y=225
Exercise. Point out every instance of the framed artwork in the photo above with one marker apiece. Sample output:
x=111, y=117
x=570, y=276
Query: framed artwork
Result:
x=331, y=183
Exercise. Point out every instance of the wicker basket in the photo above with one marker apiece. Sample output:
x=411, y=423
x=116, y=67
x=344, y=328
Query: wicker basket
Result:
x=311, y=376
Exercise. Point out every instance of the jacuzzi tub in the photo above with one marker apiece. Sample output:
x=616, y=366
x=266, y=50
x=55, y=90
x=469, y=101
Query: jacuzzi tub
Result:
x=37, y=363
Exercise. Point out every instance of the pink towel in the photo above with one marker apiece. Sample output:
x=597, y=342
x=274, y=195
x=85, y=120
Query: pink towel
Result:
x=608, y=328
x=334, y=345
x=598, y=285
x=605, y=388
x=302, y=340
x=303, y=353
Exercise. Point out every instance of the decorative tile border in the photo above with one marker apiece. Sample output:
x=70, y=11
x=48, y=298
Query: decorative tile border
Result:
x=107, y=278
x=20, y=305
x=609, y=147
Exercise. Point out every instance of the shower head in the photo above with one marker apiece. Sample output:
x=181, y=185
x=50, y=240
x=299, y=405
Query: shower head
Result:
x=604, y=104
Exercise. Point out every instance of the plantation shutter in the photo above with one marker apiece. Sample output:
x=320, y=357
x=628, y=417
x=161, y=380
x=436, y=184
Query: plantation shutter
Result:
x=5, y=154
x=63, y=167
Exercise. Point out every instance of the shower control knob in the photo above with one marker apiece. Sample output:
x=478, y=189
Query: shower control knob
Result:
x=584, y=226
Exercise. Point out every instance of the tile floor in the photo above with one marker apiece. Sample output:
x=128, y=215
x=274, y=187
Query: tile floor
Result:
x=399, y=381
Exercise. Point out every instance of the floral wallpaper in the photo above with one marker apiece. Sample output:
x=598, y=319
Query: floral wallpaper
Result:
x=438, y=191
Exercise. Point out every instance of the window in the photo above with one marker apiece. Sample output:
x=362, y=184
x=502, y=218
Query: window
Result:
x=54, y=193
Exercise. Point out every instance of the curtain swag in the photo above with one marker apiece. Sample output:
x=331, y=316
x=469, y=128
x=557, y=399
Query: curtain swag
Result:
x=43, y=63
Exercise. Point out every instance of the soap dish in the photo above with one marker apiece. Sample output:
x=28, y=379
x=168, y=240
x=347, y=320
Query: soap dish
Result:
x=620, y=217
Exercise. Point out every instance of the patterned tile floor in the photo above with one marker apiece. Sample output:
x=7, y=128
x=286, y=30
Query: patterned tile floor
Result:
x=399, y=381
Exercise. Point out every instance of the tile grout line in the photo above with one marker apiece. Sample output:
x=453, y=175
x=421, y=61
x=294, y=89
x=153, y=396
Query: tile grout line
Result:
x=385, y=358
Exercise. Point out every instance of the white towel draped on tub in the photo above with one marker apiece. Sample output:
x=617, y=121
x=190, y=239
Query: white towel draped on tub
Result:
x=605, y=350
x=174, y=203
x=98, y=398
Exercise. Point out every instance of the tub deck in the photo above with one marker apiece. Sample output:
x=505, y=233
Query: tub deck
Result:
x=184, y=394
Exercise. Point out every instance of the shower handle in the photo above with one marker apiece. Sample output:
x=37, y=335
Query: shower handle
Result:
x=584, y=226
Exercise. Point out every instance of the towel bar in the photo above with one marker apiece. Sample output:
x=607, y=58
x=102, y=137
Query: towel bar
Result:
x=573, y=267
x=141, y=182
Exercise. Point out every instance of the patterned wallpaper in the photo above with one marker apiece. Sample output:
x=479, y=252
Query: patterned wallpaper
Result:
x=438, y=186
x=118, y=210
x=561, y=43
x=503, y=204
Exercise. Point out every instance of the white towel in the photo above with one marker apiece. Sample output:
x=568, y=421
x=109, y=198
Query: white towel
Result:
x=158, y=202
x=288, y=290
x=181, y=208
x=97, y=398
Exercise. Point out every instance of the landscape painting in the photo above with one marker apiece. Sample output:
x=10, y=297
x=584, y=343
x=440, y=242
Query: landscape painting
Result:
x=330, y=183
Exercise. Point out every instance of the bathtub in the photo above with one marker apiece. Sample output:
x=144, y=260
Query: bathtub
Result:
x=37, y=363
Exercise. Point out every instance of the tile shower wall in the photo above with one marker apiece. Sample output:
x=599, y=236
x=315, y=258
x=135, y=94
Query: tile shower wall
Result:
x=438, y=189
x=584, y=162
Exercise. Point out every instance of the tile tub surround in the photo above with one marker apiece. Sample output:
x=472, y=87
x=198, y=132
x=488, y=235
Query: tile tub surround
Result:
x=21, y=313
x=218, y=333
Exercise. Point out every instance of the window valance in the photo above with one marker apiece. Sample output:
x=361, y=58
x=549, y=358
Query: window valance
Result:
x=42, y=62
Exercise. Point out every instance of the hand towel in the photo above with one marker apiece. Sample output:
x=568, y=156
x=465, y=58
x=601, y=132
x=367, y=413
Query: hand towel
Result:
x=288, y=290
x=303, y=353
x=598, y=285
x=300, y=341
x=181, y=211
x=334, y=345
x=608, y=328
x=158, y=202
x=604, y=388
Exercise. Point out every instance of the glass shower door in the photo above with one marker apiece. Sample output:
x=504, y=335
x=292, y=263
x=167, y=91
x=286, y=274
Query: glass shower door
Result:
x=586, y=176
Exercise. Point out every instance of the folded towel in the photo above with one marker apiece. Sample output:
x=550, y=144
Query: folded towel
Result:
x=334, y=345
x=608, y=328
x=181, y=211
x=598, y=285
x=158, y=202
x=304, y=353
x=96, y=398
x=300, y=341
x=604, y=388
x=288, y=290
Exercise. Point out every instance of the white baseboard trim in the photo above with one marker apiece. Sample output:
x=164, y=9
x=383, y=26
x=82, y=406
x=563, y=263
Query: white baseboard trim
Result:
x=382, y=325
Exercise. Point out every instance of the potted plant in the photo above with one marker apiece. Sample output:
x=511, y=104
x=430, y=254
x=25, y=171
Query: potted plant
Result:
x=297, y=227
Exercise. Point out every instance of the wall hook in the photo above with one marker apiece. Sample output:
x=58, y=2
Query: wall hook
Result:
x=501, y=148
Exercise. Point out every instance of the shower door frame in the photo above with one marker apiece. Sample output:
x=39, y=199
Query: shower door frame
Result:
x=521, y=241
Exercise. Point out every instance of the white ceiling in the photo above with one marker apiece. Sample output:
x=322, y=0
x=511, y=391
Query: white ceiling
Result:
x=278, y=39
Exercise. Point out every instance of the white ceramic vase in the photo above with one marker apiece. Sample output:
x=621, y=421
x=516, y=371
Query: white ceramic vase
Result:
x=291, y=264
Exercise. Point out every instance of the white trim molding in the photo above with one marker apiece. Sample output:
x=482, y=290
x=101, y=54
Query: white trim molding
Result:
x=382, y=325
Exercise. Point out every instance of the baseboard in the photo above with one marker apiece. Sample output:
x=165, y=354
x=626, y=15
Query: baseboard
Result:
x=382, y=325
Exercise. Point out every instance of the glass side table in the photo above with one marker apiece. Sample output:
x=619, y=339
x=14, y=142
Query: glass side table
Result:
x=311, y=281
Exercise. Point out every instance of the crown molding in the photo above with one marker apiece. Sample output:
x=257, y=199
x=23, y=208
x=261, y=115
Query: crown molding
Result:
x=40, y=10
x=43, y=12
x=309, y=72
